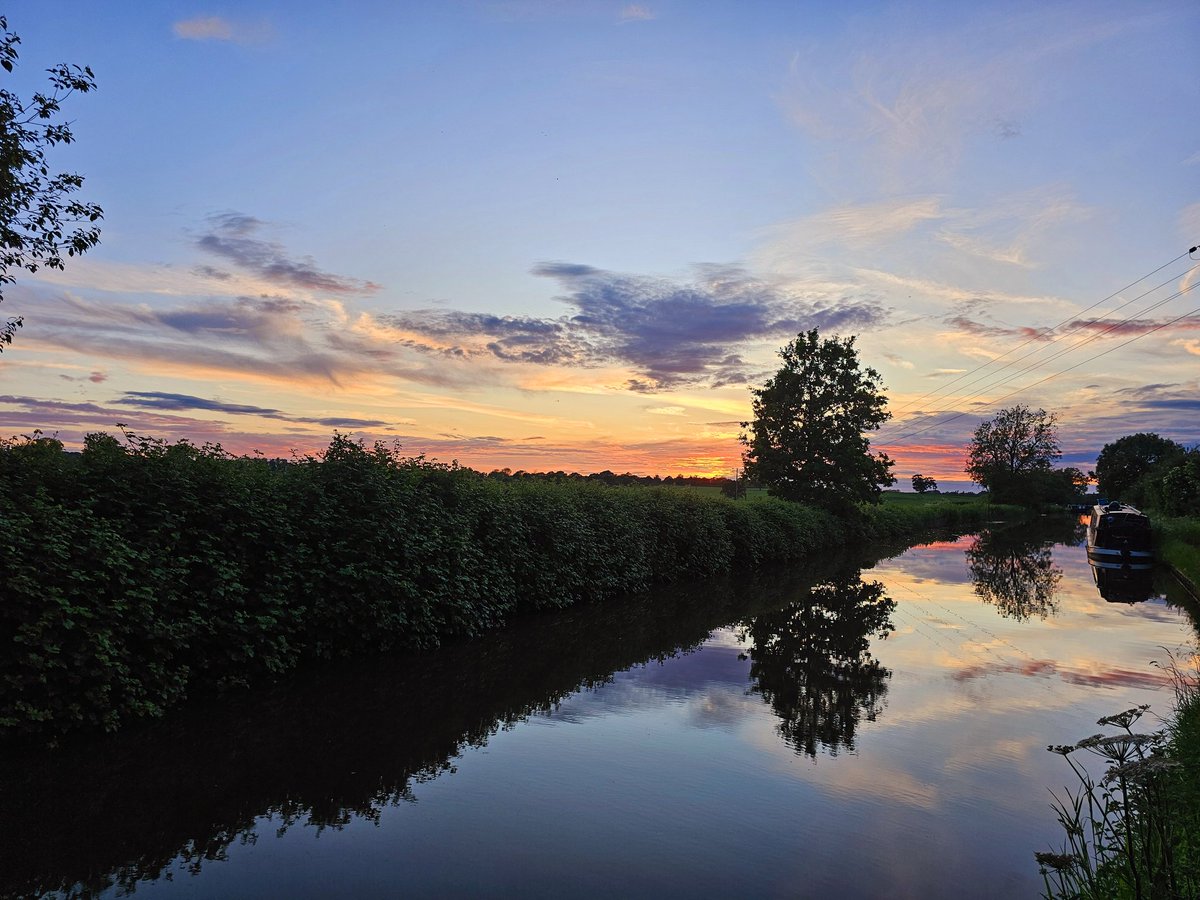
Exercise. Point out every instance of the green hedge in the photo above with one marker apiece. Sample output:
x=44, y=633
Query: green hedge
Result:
x=136, y=573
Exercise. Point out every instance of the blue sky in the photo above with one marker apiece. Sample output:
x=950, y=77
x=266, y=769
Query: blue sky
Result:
x=570, y=235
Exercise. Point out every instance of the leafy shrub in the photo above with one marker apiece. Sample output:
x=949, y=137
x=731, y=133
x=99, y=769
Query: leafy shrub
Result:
x=137, y=573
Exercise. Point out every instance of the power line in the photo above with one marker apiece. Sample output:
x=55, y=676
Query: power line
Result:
x=1075, y=346
x=1096, y=356
x=1079, y=326
x=1053, y=327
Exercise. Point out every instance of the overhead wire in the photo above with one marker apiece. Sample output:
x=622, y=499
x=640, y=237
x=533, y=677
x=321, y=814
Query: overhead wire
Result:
x=1114, y=326
x=885, y=438
x=1079, y=326
x=1096, y=356
x=1049, y=329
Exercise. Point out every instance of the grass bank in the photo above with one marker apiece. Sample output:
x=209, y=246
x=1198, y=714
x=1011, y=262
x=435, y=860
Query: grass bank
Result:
x=1178, y=543
x=137, y=573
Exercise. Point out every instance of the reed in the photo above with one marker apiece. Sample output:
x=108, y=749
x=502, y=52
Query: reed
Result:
x=1134, y=831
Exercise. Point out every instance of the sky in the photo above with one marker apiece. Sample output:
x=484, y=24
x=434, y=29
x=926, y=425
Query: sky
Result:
x=547, y=235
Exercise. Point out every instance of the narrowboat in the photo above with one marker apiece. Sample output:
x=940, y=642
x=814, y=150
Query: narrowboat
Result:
x=1119, y=537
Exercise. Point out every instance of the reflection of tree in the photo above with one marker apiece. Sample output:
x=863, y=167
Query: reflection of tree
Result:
x=1015, y=572
x=324, y=747
x=811, y=662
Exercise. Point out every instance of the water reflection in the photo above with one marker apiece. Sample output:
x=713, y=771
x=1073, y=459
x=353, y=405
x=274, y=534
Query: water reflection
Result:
x=347, y=742
x=1118, y=584
x=1014, y=570
x=631, y=777
x=811, y=662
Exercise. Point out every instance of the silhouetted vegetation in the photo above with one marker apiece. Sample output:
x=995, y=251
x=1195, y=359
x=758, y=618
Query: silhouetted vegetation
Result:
x=139, y=573
x=1134, y=831
x=1130, y=468
x=922, y=483
x=811, y=661
x=40, y=222
x=808, y=439
x=1013, y=568
x=1162, y=478
x=1011, y=456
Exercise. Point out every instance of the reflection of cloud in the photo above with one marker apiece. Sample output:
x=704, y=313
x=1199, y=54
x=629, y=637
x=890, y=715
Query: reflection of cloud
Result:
x=671, y=334
x=721, y=707
x=1044, y=668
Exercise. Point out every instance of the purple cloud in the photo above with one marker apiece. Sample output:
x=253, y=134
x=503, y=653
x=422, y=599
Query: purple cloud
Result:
x=232, y=236
x=670, y=334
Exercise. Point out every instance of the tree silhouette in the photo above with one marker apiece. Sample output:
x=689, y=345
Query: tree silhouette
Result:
x=1015, y=572
x=811, y=662
x=808, y=441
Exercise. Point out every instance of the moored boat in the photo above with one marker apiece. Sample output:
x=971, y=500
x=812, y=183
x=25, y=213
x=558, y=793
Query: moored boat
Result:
x=1119, y=536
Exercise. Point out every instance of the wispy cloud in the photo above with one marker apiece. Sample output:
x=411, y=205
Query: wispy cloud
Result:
x=898, y=360
x=204, y=28
x=96, y=377
x=635, y=12
x=944, y=373
x=270, y=339
x=218, y=28
x=906, y=102
x=159, y=400
x=234, y=238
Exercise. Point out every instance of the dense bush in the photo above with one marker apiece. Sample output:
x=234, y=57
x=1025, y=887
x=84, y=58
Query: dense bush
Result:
x=137, y=572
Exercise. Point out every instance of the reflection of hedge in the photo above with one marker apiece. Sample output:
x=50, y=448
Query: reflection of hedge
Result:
x=135, y=573
x=333, y=744
x=1178, y=543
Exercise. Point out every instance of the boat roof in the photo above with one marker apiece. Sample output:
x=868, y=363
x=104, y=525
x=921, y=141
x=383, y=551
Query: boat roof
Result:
x=1122, y=508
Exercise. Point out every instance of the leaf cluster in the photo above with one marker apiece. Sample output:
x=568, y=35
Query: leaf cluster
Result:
x=40, y=220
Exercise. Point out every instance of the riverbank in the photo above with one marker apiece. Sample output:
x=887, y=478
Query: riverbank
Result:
x=140, y=573
x=1178, y=542
x=1140, y=836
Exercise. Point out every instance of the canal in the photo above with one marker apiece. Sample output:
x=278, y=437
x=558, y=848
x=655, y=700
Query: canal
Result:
x=872, y=728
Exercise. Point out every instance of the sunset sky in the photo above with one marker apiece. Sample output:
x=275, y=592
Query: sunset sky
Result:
x=546, y=234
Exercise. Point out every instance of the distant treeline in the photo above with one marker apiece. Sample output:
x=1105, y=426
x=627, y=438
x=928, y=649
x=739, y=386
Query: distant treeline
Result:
x=611, y=478
x=137, y=572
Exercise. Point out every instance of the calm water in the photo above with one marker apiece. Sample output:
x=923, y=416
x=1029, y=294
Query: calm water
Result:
x=840, y=733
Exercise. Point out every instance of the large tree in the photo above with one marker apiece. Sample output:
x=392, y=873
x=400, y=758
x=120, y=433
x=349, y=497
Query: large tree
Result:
x=808, y=441
x=1011, y=456
x=1124, y=462
x=39, y=220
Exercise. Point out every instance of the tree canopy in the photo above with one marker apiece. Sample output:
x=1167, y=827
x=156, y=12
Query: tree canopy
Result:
x=1124, y=462
x=39, y=221
x=1014, y=451
x=808, y=439
x=923, y=483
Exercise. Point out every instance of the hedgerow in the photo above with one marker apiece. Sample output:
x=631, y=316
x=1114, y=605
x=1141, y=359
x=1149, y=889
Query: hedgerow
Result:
x=136, y=573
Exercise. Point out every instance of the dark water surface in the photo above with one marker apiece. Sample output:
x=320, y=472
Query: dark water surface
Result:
x=835, y=733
